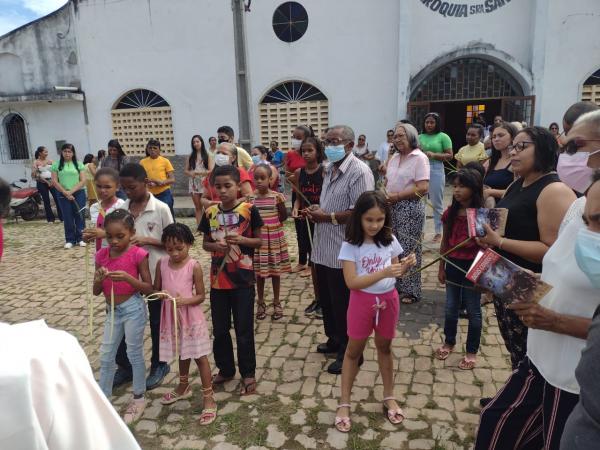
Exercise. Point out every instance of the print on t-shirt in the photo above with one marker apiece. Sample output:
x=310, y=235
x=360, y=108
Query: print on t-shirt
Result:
x=237, y=269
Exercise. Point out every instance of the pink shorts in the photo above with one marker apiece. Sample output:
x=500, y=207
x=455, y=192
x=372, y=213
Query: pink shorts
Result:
x=368, y=312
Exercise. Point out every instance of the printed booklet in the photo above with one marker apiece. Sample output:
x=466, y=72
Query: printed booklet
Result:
x=494, y=217
x=505, y=279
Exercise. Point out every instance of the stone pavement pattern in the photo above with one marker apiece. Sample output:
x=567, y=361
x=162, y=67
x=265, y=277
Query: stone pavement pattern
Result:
x=296, y=404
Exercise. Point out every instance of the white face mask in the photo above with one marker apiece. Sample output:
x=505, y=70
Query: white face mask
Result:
x=221, y=159
x=296, y=144
x=573, y=170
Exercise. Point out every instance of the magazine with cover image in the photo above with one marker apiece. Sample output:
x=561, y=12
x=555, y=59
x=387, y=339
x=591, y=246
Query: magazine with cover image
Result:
x=494, y=217
x=506, y=280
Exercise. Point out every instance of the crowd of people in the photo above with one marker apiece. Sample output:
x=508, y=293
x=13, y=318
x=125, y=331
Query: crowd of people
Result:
x=359, y=217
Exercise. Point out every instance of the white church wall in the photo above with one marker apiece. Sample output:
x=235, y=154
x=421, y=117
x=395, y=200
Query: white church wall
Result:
x=181, y=50
x=572, y=54
x=349, y=52
x=503, y=34
x=46, y=123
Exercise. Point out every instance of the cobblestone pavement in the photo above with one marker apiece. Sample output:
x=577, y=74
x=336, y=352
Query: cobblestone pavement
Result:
x=295, y=407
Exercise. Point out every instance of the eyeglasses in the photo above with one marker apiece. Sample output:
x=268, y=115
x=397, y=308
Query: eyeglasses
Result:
x=399, y=136
x=575, y=144
x=519, y=146
x=334, y=141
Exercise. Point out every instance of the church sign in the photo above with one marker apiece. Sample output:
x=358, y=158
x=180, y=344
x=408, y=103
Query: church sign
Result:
x=451, y=9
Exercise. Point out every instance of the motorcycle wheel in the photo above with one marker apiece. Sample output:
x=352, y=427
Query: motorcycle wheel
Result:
x=29, y=211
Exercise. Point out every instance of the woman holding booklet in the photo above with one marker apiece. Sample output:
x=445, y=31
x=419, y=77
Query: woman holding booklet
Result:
x=531, y=410
x=537, y=202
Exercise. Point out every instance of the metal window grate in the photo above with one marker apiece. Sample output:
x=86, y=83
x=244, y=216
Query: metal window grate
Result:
x=290, y=21
x=15, y=148
x=467, y=79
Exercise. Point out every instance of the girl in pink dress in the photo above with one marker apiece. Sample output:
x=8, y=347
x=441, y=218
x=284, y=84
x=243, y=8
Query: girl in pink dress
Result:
x=180, y=276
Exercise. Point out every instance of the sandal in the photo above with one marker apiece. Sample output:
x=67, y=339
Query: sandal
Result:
x=277, y=311
x=467, y=364
x=443, y=352
x=298, y=268
x=173, y=396
x=261, y=311
x=208, y=415
x=392, y=414
x=217, y=378
x=248, y=386
x=306, y=273
x=343, y=424
x=409, y=300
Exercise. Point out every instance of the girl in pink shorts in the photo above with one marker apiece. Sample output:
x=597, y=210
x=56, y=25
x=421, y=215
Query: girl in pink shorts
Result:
x=370, y=262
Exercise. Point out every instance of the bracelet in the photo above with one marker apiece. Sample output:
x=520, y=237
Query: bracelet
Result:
x=500, y=244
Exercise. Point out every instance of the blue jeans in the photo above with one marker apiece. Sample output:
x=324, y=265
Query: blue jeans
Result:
x=455, y=295
x=45, y=191
x=437, y=181
x=72, y=215
x=130, y=320
x=167, y=198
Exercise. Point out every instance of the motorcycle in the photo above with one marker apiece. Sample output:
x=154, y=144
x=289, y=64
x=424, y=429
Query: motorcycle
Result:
x=25, y=201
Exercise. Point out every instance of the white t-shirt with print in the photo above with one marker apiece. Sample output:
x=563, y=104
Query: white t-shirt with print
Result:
x=369, y=258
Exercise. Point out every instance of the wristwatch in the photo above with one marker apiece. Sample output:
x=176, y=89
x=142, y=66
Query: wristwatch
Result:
x=333, y=220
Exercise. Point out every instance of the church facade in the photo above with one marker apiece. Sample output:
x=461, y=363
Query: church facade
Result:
x=135, y=69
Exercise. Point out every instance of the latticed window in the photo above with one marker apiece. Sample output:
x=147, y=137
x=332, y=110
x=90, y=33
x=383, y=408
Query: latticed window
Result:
x=591, y=88
x=15, y=139
x=139, y=116
x=288, y=105
x=469, y=78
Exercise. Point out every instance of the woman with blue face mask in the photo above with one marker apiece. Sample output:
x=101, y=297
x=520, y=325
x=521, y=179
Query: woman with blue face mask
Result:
x=546, y=385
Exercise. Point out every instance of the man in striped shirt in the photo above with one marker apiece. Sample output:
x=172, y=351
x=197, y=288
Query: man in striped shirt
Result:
x=346, y=177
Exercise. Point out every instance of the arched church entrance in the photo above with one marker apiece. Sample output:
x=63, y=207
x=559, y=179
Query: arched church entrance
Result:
x=465, y=89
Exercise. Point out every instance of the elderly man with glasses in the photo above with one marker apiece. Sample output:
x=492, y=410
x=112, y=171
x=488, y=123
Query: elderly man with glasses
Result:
x=346, y=177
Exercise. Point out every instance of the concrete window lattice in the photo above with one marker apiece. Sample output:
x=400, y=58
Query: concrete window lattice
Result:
x=290, y=104
x=140, y=115
x=14, y=146
x=591, y=88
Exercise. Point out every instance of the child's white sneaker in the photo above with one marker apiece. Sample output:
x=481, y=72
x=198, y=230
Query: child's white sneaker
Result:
x=68, y=245
x=135, y=409
x=82, y=244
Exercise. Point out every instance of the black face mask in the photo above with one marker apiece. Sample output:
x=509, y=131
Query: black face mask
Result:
x=221, y=140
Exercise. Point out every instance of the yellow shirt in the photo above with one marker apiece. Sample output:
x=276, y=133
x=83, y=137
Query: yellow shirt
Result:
x=244, y=159
x=157, y=169
x=470, y=153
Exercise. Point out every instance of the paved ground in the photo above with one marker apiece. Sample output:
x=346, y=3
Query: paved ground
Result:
x=296, y=404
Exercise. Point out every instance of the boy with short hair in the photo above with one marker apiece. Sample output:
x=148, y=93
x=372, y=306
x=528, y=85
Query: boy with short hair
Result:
x=231, y=233
x=151, y=217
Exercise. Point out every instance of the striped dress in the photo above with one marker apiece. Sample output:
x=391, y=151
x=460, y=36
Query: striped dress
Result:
x=272, y=259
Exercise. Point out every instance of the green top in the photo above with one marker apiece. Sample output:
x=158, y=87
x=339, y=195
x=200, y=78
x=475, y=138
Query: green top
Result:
x=435, y=143
x=68, y=177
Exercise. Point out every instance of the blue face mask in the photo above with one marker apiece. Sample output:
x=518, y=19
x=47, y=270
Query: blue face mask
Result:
x=335, y=153
x=587, y=255
x=256, y=160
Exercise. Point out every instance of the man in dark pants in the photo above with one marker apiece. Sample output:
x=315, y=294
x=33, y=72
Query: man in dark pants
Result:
x=345, y=179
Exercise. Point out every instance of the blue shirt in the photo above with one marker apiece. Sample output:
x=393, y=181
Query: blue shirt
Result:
x=278, y=158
